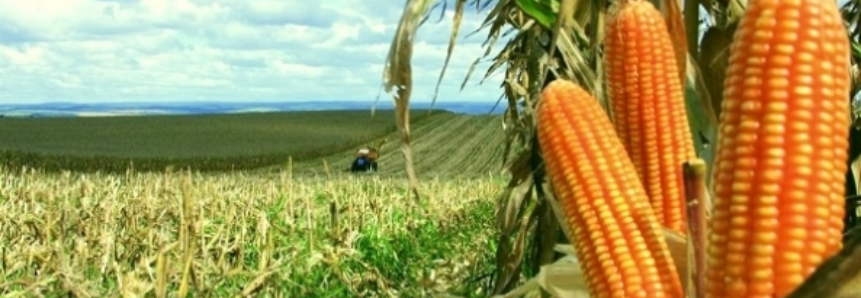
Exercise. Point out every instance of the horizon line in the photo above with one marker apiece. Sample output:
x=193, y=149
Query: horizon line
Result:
x=384, y=102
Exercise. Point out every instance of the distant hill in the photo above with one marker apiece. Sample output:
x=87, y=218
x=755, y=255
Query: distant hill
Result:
x=61, y=109
x=318, y=142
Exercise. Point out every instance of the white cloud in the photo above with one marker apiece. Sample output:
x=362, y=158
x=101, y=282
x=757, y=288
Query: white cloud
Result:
x=244, y=50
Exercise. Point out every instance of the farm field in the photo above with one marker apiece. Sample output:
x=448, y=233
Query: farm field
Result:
x=443, y=146
x=294, y=230
x=205, y=142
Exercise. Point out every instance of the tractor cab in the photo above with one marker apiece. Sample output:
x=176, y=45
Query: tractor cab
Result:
x=365, y=161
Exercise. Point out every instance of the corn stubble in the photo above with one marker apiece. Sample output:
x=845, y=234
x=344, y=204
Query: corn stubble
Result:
x=217, y=234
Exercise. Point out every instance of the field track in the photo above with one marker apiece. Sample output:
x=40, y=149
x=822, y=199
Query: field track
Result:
x=443, y=145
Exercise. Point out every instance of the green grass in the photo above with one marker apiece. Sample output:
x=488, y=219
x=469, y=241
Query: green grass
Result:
x=203, y=142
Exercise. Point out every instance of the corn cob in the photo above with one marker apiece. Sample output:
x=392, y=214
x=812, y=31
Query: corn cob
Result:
x=616, y=236
x=782, y=149
x=648, y=105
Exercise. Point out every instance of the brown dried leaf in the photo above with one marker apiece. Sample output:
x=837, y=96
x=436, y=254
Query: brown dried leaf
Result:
x=557, y=210
x=514, y=196
x=397, y=77
x=702, y=118
x=837, y=277
x=678, y=247
x=496, y=20
x=566, y=11
x=256, y=284
x=855, y=167
x=855, y=79
x=455, y=28
x=509, y=257
x=714, y=60
x=564, y=277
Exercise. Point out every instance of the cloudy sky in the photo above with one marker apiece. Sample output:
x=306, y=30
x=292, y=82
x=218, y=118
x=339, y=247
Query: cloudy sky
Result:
x=222, y=50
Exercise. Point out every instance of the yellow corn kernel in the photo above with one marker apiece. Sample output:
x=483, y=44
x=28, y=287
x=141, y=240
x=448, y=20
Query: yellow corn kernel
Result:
x=781, y=150
x=648, y=105
x=615, y=233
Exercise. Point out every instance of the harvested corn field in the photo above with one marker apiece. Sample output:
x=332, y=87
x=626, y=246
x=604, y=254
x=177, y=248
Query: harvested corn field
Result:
x=227, y=235
x=280, y=231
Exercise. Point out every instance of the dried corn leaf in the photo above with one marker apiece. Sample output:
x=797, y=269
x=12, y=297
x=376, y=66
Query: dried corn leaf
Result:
x=515, y=195
x=564, y=278
x=455, y=29
x=713, y=61
x=678, y=247
x=702, y=118
x=398, y=77
x=855, y=167
x=837, y=277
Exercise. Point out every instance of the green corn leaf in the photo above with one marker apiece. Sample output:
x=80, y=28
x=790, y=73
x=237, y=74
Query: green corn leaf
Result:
x=543, y=11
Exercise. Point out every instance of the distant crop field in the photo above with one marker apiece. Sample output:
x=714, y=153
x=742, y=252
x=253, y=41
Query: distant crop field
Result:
x=460, y=145
x=201, y=141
